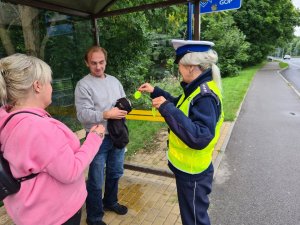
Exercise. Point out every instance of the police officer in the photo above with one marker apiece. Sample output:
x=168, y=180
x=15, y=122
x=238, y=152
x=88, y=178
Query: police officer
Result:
x=194, y=119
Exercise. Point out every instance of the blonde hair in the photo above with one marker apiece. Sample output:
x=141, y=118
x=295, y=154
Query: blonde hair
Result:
x=18, y=72
x=204, y=60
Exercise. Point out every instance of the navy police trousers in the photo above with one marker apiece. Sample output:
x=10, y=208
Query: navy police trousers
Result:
x=192, y=191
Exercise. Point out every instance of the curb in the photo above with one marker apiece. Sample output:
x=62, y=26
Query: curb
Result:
x=288, y=83
x=219, y=157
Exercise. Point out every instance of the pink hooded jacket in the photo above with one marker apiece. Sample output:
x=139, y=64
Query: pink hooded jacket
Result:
x=43, y=145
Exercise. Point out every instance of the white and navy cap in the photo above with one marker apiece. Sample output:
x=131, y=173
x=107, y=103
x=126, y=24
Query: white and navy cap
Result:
x=183, y=47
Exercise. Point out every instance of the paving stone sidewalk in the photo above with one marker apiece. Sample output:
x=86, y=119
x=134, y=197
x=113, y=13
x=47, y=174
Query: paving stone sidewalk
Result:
x=151, y=199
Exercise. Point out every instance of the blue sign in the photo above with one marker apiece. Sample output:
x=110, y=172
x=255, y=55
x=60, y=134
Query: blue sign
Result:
x=60, y=29
x=209, y=6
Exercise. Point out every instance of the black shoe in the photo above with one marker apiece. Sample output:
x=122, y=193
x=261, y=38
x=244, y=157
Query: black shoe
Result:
x=119, y=209
x=95, y=223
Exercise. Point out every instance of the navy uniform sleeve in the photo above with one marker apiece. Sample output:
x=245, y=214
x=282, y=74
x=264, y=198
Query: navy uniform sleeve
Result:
x=197, y=130
x=160, y=92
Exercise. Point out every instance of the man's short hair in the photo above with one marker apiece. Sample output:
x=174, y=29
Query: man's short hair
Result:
x=93, y=49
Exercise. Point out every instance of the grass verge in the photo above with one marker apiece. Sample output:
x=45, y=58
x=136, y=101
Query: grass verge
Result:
x=234, y=90
x=283, y=65
x=142, y=135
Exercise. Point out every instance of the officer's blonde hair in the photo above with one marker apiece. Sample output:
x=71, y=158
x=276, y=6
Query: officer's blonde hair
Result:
x=204, y=60
x=18, y=72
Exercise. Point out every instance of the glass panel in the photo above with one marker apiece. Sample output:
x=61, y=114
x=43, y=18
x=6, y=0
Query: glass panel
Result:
x=60, y=40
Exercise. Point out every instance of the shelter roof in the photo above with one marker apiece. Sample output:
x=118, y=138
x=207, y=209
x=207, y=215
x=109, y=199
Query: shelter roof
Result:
x=95, y=8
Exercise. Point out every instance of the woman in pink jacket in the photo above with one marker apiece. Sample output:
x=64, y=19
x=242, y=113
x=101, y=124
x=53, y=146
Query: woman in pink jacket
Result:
x=41, y=144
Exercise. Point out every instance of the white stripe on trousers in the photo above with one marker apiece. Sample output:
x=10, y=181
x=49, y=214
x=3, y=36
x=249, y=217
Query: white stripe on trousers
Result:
x=194, y=203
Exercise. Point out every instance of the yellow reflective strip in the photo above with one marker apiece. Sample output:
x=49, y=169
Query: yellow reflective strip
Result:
x=145, y=117
x=142, y=112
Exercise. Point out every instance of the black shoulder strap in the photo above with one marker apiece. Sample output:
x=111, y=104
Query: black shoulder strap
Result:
x=4, y=124
x=30, y=176
x=205, y=91
x=12, y=115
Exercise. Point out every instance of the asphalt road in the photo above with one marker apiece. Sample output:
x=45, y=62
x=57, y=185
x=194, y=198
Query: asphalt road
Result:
x=292, y=74
x=258, y=181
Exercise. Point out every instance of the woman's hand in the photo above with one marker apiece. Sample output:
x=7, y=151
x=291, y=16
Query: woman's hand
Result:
x=98, y=129
x=146, y=87
x=156, y=102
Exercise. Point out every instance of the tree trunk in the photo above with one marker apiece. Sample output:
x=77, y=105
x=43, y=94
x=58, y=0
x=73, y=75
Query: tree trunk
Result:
x=5, y=38
x=29, y=21
x=6, y=42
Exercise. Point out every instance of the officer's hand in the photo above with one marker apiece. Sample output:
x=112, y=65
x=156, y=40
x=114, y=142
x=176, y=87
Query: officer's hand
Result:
x=146, y=87
x=115, y=113
x=156, y=102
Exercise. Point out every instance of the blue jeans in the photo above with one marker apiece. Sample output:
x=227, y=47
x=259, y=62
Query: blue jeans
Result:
x=113, y=159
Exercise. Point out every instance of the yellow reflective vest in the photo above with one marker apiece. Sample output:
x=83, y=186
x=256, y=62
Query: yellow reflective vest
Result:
x=184, y=158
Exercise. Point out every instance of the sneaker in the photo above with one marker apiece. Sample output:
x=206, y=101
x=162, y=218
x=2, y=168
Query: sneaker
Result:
x=95, y=223
x=119, y=209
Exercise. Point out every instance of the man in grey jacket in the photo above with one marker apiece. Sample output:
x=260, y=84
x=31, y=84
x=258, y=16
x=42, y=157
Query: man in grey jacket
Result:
x=95, y=98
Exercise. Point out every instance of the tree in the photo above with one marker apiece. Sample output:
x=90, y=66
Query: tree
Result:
x=5, y=33
x=165, y=24
x=295, y=46
x=29, y=20
x=138, y=44
x=30, y=27
x=266, y=24
x=128, y=46
x=229, y=42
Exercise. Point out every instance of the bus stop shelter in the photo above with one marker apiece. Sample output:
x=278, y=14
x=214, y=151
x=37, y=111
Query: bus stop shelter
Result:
x=105, y=8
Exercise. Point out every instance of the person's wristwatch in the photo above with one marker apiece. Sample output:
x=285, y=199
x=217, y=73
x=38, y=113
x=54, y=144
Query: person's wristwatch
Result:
x=99, y=134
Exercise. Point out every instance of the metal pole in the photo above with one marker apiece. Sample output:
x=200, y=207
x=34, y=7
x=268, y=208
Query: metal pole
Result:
x=190, y=21
x=95, y=31
x=197, y=20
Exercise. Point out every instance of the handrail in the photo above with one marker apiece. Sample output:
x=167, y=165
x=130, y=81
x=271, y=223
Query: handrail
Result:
x=147, y=115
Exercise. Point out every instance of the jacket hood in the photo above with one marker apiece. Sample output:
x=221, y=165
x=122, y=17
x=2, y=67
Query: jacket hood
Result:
x=5, y=114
